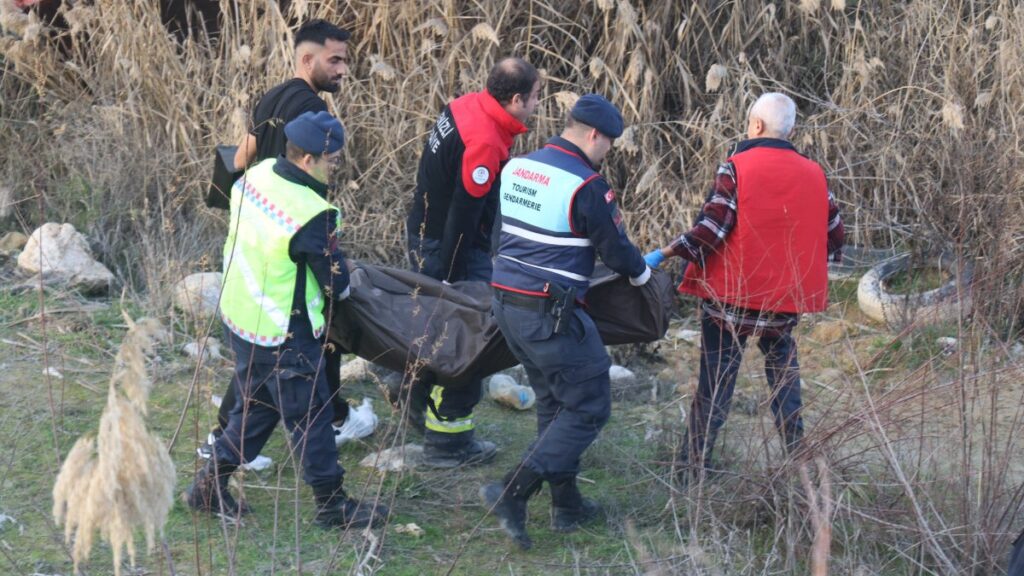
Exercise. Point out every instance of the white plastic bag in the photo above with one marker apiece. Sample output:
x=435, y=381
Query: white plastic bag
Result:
x=361, y=422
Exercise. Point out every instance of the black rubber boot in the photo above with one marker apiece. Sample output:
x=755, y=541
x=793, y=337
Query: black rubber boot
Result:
x=209, y=492
x=507, y=500
x=334, y=509
x=569, y=509
x=443, y=450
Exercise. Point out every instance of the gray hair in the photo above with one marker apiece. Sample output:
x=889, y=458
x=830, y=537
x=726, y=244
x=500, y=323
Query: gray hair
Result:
x=777, y=111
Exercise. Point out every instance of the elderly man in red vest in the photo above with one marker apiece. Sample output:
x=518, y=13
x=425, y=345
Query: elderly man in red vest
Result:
x=761, y=248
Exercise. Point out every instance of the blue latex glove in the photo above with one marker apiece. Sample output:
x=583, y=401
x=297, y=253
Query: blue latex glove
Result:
x=654, y=259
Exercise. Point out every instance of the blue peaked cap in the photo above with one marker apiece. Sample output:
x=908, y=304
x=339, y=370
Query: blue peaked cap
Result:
x=596, y=111
x=317, y=133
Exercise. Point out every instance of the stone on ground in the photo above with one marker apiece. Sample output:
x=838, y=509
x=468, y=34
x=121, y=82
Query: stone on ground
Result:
x=197, y=295
x=58, y=250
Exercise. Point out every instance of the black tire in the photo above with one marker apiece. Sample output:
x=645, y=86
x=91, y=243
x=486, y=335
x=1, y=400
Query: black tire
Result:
x=942, y=303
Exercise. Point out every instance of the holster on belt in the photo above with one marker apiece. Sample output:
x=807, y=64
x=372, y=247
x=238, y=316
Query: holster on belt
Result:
x=561, y=306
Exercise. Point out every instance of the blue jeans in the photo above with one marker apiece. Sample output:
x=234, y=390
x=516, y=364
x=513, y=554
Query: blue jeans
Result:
x=721, y=354
x=569, y=373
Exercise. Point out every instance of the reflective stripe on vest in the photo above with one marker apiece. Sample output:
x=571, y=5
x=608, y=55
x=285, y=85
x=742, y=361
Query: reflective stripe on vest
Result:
x=259, y=275
x=537, y=242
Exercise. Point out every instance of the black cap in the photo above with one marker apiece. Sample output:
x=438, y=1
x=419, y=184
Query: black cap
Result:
x=596, y=111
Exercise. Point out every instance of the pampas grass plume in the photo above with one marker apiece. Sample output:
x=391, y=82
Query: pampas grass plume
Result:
x=123, y=480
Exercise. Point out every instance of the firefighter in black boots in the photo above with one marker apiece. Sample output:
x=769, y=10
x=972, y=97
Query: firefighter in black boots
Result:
x=449, y=230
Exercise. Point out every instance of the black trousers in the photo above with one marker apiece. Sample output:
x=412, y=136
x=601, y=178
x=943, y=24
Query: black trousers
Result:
x=569, y=373
x=297, y=394
x=332, y=368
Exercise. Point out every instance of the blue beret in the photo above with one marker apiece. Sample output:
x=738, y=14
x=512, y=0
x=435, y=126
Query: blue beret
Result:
x=596, y=111
x=316, y=133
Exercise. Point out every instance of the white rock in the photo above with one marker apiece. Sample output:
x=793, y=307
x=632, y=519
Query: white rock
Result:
x=404, y=457
x=211, y=350
x=53, y=373
x=947, y=343
x=357, y=369
x=197, y=295
x=691, y=336
x=410, y=529
x=59, y=250
x=621, y=374
x=13, y=242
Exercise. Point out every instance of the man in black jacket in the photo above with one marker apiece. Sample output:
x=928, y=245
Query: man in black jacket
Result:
x=449, y=229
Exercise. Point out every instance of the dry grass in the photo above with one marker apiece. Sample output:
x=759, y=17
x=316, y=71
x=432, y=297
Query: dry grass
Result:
x=122, y=480
x=913, y=108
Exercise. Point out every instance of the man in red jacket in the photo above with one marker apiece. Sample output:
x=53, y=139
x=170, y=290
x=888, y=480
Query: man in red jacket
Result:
x=761, y=248
x=449, y=227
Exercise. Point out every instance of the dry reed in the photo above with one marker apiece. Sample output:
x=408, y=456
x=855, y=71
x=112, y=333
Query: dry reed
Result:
x=123, y=479
x=912, y=108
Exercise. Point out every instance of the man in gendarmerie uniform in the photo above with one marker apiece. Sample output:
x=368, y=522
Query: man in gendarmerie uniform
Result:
x=321, y=64
x=557, y=214
x=449, y=229
x=282, y=260
x=760, y=252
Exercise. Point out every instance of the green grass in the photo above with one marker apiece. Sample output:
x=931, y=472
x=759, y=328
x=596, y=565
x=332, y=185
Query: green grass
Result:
x=624, y=472
x=844, y=291
x=916, y=280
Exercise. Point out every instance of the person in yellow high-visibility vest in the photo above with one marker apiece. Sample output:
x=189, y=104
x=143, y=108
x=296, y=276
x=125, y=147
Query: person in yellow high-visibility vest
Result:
x=282, y=269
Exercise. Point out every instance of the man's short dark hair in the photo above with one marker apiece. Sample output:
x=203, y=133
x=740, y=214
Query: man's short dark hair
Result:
x=294, y=153
x=511, y=76
x=319, y=31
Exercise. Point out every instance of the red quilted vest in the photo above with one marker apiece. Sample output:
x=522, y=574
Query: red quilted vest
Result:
x=776, y=257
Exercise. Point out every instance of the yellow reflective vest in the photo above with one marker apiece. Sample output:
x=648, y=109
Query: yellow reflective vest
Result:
x=259, y=275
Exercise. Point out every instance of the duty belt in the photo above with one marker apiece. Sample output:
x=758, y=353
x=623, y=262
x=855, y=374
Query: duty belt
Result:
x=528, y=301
x=559, y=303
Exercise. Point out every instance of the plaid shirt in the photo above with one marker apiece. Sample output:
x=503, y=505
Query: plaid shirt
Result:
x=717, y=219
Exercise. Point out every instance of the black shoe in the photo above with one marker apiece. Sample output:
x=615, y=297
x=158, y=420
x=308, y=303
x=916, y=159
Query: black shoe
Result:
x=442, y=450
x=209, y=492
x=507, y=500
x=569, y=509
x=334, y=509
